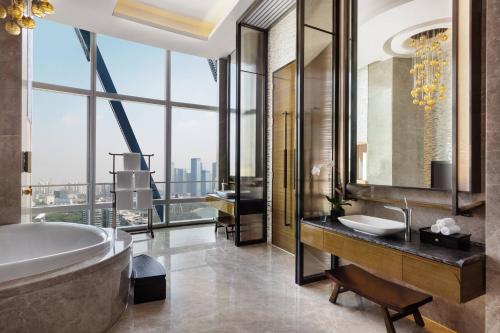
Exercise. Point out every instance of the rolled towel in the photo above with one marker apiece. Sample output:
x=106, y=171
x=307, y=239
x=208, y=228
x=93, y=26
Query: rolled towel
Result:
x=144, y=199
x=446, y=222
x=142, y=179
x=124, y=180
x=435, y=228
x=454, y=229
x=131, y=161
x=124, y=199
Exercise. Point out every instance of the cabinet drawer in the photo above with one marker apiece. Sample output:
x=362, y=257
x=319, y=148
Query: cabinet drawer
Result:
x=437, y=278
x=382, y=260
x=311, y=236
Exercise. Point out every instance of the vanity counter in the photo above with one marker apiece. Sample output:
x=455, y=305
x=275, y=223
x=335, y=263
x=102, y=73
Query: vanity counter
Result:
x=455, y=275
x=429, y=251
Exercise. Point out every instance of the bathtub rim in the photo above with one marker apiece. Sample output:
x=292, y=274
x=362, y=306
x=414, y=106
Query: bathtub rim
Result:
x=93, y=248
x=121, y=245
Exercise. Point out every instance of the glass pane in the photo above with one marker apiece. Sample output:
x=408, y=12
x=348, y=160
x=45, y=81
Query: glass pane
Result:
x=59, y=145
x=252, y=135
x=191, y=211
x=319, y=14
x=124, y=218
x=135, y=69
x=76, y=216
x=194, y=152
x=148, y=129
x=318, y=130
x=58, y=56
x=253, y=51
x=193, y=80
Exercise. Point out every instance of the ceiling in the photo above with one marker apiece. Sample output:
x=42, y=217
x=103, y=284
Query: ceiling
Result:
x=384, y=28
x=200, y=27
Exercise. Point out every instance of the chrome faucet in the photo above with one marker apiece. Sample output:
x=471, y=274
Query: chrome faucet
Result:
x=406, y=211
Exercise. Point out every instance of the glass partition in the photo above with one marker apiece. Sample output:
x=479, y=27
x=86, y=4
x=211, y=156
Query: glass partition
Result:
x=316, y=52
x=250, y=137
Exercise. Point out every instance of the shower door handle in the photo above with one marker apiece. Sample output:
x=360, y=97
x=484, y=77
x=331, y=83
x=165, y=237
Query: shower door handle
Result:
x=285, y=167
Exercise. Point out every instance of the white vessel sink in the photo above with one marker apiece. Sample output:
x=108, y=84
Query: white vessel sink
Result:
x=372, y=225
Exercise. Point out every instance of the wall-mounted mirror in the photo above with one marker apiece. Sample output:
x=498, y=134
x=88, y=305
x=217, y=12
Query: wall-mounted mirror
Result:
x=404, y=106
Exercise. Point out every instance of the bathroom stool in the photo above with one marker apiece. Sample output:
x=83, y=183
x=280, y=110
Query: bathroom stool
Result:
x=148, y=278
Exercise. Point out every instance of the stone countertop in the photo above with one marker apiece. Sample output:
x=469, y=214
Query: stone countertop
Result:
x=445, y=255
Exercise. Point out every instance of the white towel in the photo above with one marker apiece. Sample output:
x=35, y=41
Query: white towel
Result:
x=131, y=161
x=124, y=180
x=144, y=199
x=446, y=222
x=124, y=199
x=454, y=229
x=435, y=228
x=142, y=179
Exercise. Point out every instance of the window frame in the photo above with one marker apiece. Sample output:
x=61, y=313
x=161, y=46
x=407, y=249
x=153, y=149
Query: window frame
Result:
x=93, y=94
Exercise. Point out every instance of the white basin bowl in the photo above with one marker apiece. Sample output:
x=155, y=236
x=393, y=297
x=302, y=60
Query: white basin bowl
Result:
x=372, y=225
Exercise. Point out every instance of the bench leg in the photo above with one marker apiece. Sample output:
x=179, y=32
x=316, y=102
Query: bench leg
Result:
x=388, y=320
x=418, y=318
x=335, y=293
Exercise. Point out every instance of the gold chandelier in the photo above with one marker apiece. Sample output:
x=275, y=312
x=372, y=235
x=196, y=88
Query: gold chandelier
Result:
x=19, y=14
x=429, y=62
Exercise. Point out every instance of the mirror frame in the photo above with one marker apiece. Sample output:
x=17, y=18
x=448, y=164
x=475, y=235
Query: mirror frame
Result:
x=475, y=103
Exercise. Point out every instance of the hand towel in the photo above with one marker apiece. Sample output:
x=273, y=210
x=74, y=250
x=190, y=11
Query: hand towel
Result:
x=446, y=222
x=435, y=228
x=454, y=229
x=124, y=199
x=124, y=180
x=142, y=179
x=144, y=199
x=131, y=161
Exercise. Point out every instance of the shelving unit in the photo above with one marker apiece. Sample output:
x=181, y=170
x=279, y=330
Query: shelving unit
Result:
x=149, y=228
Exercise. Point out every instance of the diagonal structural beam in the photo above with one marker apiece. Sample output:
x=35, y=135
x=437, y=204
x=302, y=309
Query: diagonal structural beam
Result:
x=117, y=107
x=213, y=68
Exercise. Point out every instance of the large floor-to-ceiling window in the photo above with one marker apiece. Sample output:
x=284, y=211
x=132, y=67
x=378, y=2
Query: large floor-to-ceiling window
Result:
x=94, y=95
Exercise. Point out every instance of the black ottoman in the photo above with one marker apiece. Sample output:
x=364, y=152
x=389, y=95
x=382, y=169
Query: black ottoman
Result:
x=148, y=278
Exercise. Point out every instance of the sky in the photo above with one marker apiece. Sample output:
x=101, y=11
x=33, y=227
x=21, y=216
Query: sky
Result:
x=59, y=131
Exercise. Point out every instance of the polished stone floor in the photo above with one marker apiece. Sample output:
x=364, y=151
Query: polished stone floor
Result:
x=212, y=286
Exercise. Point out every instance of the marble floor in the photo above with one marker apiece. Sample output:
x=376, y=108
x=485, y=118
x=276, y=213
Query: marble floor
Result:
x=213, y=286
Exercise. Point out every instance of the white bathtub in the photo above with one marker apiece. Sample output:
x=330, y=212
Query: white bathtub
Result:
x=30, y=249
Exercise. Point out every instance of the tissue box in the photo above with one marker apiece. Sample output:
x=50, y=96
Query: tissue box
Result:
x=455, y=241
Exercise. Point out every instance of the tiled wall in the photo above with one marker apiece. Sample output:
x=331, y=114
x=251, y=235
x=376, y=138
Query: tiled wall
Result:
x=281, y=51
x=493, y=166
x=10, y=126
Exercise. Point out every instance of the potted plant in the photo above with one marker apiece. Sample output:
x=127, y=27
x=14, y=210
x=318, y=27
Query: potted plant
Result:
x=337, y=206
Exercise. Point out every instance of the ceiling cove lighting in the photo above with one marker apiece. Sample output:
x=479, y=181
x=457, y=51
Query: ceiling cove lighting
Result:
x=429, y=60
x=19, y=14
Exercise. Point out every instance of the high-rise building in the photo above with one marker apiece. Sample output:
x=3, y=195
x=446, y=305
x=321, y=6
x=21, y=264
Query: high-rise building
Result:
x=196, y=171
x=179, y=179
x=213, y=184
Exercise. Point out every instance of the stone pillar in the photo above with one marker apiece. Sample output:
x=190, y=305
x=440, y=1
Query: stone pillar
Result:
x=10, y=125
x=493, y=166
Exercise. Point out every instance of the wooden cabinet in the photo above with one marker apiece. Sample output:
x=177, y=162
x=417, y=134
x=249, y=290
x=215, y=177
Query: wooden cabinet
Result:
x=375, y=257
x=221, y=204
x=454, y=283
x=312, y=236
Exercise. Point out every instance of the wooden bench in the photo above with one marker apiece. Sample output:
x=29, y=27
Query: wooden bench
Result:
x=389, y=295
x=227, y=222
